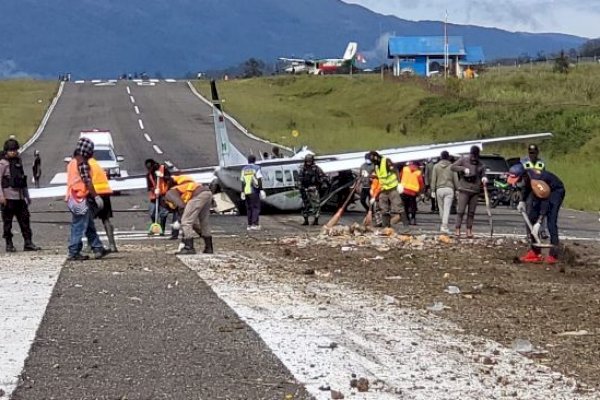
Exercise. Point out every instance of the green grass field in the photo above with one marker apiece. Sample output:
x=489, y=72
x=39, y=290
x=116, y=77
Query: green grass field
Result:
x=341, y=113
x=23, y=104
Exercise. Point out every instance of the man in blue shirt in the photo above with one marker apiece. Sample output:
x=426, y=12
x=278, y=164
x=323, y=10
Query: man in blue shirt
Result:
x=536, y=184
x=252, y=192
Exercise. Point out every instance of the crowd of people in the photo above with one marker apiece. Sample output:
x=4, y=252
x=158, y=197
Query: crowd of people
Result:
x=386, y=189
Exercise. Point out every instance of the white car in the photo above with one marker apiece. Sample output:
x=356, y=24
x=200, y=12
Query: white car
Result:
x=104, y=152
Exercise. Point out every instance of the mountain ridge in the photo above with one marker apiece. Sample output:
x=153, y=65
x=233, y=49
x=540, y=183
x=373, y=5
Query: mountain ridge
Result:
x=105, y=38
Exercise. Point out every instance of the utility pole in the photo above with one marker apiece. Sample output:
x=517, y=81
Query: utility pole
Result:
x=446, y=49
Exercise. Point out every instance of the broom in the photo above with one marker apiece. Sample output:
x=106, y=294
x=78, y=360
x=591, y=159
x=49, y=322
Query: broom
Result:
x=155, y=227
x=338, y=215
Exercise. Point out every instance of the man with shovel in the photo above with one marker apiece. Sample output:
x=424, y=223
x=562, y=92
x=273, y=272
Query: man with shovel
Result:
x=547, y=192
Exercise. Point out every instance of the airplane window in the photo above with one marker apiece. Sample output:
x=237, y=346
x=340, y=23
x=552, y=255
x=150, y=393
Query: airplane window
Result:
x=288, y=175
x=279, y=176
x=295, y=176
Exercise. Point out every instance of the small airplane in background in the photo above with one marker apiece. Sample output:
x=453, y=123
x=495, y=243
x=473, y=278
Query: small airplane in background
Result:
x=280, y=176
x=325, y=65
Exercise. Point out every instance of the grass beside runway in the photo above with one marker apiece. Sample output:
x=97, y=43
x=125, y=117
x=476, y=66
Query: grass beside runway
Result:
x=23, y=104
x=341, y=113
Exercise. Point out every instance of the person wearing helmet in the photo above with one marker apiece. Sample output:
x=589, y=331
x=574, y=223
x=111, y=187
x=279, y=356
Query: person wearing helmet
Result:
x=533, y=161
x=471, y=173
x=390, y=189
x=310, y=180
x=14, y=197
x=543, y=206
x=37, y=168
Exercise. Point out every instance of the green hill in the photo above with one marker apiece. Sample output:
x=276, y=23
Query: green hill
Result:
x=22, y=106
x=342, y=113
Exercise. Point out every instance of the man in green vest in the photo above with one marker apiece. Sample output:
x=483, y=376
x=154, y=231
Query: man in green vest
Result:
x=390, y=201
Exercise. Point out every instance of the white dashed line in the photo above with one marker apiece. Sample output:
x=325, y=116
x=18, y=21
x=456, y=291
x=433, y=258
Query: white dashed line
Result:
x=148, y=138
x=96, y=80
x=136, y=109
x=157, y=149
x=141, y=124
x=168, y=163
x=132, y=99
x=128, y=90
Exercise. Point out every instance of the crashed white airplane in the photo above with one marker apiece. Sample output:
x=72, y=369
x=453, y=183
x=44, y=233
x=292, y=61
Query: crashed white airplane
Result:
x=280, y=175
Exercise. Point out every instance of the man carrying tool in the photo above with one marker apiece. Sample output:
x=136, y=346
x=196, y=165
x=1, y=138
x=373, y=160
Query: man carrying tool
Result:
x=411, y=180
x=310, y=180
x=366, y=173
x=102, y=188
x=389, y=198
x=471, y=176
x=547, y=192
x=157, y=178
x=252, y=192
x=14, y=197
x=193, y=201
x=80, y=196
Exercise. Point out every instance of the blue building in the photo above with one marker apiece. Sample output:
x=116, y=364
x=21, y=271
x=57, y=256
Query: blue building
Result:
x=425, y=55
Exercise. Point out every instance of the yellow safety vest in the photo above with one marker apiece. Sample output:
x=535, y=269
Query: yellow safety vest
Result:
x=186, y=186
x=387, y=179
x=249, y=179
x=99, y=179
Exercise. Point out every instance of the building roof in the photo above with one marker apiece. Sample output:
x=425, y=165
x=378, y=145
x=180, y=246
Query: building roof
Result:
x=411, y=46
x=474, y=56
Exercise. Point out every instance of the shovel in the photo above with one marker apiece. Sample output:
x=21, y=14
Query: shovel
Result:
x=155, y=227
x=536, y=240
x=488, y=209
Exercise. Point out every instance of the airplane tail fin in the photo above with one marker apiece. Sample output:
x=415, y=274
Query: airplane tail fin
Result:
x=350, y=51
x=227, y=153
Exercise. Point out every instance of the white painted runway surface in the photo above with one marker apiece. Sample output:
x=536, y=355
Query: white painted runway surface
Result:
x=324, y=333
x=26, y=283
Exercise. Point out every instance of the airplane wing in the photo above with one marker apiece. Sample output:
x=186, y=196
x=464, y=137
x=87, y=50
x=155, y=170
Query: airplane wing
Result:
x=138, y=182
x=341, y=162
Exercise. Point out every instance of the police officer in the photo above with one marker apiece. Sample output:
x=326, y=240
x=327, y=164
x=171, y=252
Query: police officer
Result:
x=533, y=161
x=310, y=179
x=252, y=192
x=543, y=206
x=14, y=197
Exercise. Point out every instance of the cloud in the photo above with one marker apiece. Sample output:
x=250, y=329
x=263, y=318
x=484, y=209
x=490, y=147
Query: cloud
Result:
x=9, y=70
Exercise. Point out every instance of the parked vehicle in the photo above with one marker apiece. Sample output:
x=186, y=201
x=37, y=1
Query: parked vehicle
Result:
x=104, y=151
x=504, y=194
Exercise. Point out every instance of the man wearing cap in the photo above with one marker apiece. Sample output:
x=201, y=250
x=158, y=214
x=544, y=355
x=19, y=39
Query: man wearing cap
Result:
x=79, y=197
x=14, y=197
x=544, y=205
x=471, y=178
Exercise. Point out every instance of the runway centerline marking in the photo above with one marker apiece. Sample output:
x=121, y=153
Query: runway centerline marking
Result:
x=128, y=90
x=132, y=99
x=136, y=109
x=141, y=124
x=148, y=138
x=157, y=149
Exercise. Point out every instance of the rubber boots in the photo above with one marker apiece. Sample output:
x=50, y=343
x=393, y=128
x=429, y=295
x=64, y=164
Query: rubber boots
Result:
x=10, y=247
x=385, y=221
x=110, y=233
x=188, y=247
x=305, y=221
x=316, y=221
x=163, y=225
x=174, y=234
x=29, y=246
x=208, y=245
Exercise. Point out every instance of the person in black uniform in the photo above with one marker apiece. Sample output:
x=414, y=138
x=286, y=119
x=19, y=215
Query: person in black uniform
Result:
x=14, y=197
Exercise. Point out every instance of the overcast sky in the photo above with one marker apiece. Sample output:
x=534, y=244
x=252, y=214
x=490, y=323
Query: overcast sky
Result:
x=576, y=17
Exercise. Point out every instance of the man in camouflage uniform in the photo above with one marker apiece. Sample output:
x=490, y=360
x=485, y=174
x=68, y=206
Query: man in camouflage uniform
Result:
x=310, y=180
